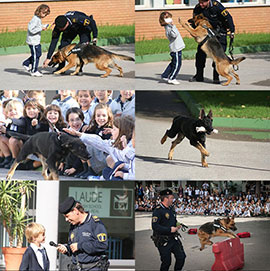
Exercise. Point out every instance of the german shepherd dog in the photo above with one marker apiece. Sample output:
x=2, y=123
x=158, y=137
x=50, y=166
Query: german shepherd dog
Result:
x=51, y=148
x=212, y=47
x=85, y=53
x=220, y=227
x=193, y=129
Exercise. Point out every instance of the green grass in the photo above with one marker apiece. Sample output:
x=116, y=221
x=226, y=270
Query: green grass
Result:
x=235, y=104
x=157, y=46
x=8, y=39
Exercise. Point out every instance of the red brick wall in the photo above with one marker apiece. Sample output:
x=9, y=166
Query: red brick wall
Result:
x=15, y=16
x=246, y=19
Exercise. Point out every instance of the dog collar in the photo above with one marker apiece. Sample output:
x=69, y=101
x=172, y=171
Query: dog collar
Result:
x=217, y=225
x=211, y=34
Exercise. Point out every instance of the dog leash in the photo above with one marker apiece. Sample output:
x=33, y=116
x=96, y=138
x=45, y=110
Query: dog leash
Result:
x=235, y=67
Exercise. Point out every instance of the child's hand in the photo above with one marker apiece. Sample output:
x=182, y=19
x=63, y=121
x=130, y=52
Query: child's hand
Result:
x=61, y=166
x=34, y=122
x=124, y=141
x=107, y=131
x=119, y=174
x=70, y=171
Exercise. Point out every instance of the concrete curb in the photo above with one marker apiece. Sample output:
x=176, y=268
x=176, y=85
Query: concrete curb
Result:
x=195, y=108
x=191, y=53
x=24, y=49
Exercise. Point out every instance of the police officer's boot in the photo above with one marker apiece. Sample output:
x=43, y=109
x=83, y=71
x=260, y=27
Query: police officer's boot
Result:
x=198, y=77
x=215, y=77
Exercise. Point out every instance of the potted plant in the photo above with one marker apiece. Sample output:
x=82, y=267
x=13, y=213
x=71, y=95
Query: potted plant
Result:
x=14, y=196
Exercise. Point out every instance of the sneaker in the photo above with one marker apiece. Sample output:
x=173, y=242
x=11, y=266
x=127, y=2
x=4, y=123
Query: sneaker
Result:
x=174, y=82
x=164, y=78
x=36, y=74
x=92, y=178
x=27, y=68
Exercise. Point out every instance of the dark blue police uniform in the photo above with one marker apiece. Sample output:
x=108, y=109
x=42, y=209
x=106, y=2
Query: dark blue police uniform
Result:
x=162, y=220
x=91, y=239
x=79, y=24
x=221, y=21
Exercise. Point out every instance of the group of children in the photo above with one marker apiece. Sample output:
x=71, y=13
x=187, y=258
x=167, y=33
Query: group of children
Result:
x=110, y=123
x=207, y=203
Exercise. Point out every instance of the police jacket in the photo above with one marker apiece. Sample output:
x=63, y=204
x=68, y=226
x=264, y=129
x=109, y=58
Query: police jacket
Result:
x=77, y=22
x=163, y=219
x=217, y=15
x=92, y=240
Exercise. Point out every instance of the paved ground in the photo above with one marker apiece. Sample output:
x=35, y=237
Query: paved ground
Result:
x=256, y=248
x=30, y=175
x=252, y=74
x=230, y=157
x=13, y=76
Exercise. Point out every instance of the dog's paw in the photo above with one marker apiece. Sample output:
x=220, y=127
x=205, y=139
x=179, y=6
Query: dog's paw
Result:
x=215, y=131
x=205, y=164
x=58, y=72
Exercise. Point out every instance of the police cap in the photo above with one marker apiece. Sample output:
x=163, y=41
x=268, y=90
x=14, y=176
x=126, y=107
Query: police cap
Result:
x=67, y=205
x=166, y=192
x=60, y=21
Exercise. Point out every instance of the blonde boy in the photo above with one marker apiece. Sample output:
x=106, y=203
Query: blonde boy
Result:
x=35, y=256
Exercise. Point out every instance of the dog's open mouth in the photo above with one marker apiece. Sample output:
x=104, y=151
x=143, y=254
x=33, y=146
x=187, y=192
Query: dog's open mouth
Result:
x=51, y=63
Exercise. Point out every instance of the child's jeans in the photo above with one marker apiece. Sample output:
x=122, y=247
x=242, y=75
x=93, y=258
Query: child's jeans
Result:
x=174, y=67
x=34, y=58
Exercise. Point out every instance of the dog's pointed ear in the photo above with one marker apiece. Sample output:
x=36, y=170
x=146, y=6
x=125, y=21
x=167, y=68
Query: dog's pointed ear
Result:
x=202, y=114
x=210, y=114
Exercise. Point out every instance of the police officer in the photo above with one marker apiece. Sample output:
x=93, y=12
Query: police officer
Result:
x=87, y=240
x=73, y=23
x=165, y=233
x=221, y=21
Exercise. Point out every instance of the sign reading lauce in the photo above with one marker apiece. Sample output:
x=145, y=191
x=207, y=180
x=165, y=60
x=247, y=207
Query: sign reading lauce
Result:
x=105, y=202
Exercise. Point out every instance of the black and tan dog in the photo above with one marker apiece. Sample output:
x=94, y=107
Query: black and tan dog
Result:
x=85, y=53
x=220, y=227
x=204, y=35
x=193, y=129
x=51, y=148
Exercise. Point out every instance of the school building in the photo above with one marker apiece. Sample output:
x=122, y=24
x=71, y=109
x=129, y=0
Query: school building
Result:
x=15, y=14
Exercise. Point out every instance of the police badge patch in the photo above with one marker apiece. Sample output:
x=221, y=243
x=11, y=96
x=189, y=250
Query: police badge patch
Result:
x=154, y=219
x=102, y=237
x=72, y=235
x=224, y=12
x=167, y=215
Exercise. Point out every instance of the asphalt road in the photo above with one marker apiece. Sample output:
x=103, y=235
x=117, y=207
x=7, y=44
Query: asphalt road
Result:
x=13, y=76
x=256, y=248
x=253, y=72
x=230, y=157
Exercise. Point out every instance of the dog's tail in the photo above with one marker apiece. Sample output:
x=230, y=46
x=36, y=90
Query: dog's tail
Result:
x=19, y=136
x=123, y=57
x=237, y=60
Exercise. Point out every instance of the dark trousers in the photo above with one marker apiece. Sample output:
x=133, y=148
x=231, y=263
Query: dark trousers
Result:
x=34, y=58
x=174, y=67
x=201, y=55
x=173, y=247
